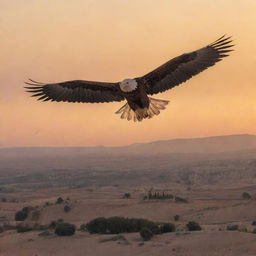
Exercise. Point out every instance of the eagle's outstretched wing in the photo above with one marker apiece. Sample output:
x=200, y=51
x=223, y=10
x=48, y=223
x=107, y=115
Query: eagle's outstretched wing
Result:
x=183, y=67
x=76, y=91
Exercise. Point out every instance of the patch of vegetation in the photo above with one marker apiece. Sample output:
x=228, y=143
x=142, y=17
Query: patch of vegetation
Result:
x=65, y=229
x=59, y=200
x=254, y=231
x=157, y=195
x=67, y=208
x=47, y=204
x=21, y=215
x=176, y=217
x=127, y=195
x=116, y=225
x=180, y=200
x=232, y=227
x=167, y=227
x=246, y=196
x=193, y=226
x=146, y=234
x=254, y=223
x=53, y=224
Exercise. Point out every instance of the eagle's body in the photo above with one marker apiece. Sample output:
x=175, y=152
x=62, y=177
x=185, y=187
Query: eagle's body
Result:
x=135, y=91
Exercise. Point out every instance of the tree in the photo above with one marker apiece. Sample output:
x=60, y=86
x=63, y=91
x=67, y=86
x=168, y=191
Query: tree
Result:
x=65, y=229
x=246, y=196
x=21, y=215
x=193, y=226
x=176, y=217
x=127, y=195
x=67, y=208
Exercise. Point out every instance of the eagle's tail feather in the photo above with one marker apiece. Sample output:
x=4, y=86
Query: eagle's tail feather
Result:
x=155, y=105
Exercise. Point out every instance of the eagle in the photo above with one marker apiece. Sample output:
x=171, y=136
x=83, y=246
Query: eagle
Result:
x=136, y=91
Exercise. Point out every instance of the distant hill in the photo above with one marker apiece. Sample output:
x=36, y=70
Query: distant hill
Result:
x=217, y=144
x=208, y=145
x=223, y=160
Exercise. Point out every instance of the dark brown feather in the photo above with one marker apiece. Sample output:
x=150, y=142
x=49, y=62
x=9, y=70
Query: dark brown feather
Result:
x=75, y=91
x=183, y=67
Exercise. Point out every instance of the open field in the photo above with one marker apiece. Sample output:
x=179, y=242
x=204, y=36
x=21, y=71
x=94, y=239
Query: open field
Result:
x=93, y=184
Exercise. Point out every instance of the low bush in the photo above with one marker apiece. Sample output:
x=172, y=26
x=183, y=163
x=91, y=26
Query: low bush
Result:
x=67, y=208
x=232, y=227
x=21, y=215
x=23, y=228
x=59, y=200
x=176, y=217
x=180, y=200
x=116, y=225
x=193, y=226
x=65, y=229
x=246, y=196
x=167, y=227
x=146, y=234
x=254, y=223
x=127, y=195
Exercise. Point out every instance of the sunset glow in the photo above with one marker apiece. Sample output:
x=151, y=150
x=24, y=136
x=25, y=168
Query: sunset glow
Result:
x=53, y=41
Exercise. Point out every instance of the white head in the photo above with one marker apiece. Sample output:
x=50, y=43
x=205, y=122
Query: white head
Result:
x=128, y=85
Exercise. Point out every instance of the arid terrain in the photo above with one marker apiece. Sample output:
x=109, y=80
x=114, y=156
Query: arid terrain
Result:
x=211, y=174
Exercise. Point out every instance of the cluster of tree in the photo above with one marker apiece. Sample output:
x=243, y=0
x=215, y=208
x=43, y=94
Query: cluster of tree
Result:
x=23, y=213
x=60, y=228
x=158, y=195
x=116, y=225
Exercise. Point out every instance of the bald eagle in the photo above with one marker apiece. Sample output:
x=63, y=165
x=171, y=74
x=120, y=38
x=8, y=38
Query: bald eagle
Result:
x=135, y=91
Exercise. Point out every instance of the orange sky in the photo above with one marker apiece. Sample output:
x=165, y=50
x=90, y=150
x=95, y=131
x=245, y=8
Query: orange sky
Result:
x=57, y=40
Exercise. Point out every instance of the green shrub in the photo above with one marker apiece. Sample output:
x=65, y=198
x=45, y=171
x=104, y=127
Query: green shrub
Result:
x=246, y=196
x=254, y=223
x=232, y=227
x=59, y=200
x=67, y=208
x=83, y=228
x=146, y=234
x=21, y=215
x=180, y=200
x=254, y=231
x=176, y=217
x=167, y=227
x=193, y=226
x=116, y=225
x=65, y=229
x=127, y=195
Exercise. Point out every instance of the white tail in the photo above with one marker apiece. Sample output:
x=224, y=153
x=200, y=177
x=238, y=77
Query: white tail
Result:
x=154, y=108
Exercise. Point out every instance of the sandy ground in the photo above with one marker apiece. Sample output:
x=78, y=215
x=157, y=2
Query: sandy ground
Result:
x=213, y=208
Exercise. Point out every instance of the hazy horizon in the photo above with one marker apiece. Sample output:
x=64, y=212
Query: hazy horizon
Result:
x=52, y=41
